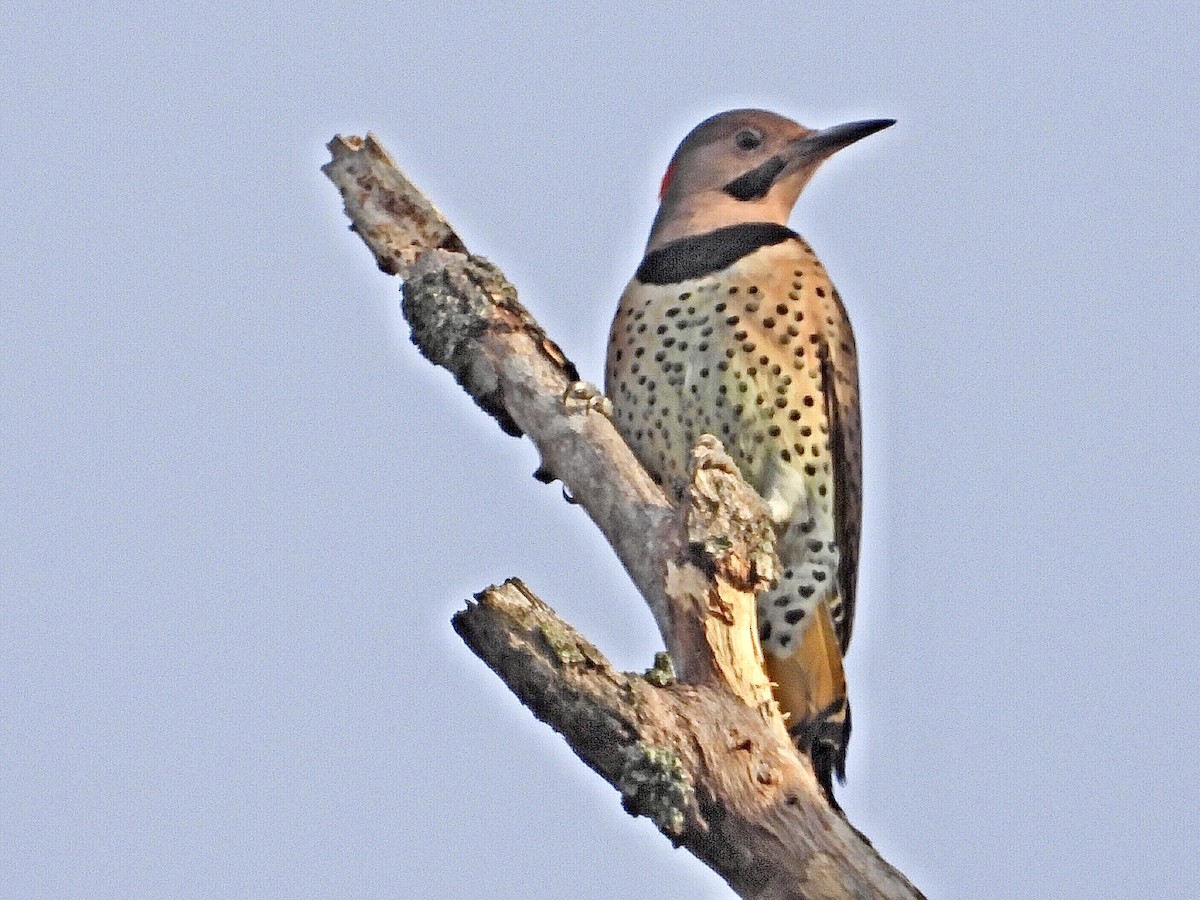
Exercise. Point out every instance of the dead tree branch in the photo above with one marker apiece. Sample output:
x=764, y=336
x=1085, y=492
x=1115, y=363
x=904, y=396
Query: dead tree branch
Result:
x=707, y=757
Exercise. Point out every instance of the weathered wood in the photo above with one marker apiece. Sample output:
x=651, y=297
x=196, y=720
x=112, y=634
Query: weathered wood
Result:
x=707, y=756
x=704, y=766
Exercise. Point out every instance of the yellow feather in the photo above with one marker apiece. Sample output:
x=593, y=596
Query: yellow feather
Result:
x=810, y=680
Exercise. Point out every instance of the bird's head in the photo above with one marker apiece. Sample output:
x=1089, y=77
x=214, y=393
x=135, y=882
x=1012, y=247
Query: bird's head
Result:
x=745, y=165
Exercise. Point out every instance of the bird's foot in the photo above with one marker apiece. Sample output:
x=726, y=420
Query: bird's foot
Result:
x=585, y=397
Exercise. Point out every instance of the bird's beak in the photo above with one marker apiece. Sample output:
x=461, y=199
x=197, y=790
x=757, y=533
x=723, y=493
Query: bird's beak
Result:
x=823, y=144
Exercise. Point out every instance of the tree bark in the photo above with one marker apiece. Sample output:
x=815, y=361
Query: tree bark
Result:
x=701, y=750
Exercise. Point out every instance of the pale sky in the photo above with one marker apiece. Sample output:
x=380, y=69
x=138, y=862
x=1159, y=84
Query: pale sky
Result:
x=240, y=509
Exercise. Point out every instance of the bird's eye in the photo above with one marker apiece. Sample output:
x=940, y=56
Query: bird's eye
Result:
x=748, y=139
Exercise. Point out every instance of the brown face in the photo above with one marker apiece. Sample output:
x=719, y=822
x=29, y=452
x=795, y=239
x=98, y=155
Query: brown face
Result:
x=743, y=166
x=733, y=168
x=741, y=153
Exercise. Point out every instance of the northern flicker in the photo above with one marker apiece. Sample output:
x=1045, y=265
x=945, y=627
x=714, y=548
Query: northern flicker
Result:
x=731, y=327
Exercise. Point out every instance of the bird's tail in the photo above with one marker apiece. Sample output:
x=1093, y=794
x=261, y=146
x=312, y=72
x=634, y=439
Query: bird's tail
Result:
x=810, y=688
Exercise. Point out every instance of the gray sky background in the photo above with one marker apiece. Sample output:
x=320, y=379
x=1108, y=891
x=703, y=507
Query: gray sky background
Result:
x=239, y=509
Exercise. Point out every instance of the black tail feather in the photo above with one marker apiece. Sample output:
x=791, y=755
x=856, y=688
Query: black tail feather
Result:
x=824, y=739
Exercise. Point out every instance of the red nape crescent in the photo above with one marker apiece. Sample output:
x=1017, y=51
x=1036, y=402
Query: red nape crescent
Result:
x=666, y=181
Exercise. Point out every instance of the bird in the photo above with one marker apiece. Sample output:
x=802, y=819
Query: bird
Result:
x=731, y=327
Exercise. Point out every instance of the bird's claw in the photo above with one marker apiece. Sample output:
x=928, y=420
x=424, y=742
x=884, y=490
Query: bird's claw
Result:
x=583, y=396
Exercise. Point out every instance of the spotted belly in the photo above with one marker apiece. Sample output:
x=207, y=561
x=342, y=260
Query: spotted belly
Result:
x=744, y=354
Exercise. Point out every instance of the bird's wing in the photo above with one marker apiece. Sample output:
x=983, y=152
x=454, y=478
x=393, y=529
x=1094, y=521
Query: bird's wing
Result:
x=839, y=371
